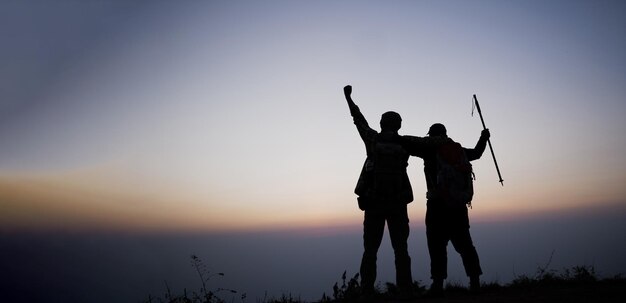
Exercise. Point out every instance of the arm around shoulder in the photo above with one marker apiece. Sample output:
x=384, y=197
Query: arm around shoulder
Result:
x=419, y=146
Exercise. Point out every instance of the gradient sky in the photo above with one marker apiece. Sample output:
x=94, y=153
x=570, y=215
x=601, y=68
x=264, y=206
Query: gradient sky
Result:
x=223, y=115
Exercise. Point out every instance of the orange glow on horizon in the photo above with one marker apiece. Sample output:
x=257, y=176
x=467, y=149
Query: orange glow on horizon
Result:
x=44, y=204
x=51, y=204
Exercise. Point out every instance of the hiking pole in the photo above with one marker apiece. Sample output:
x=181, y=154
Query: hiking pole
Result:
x=488, y=140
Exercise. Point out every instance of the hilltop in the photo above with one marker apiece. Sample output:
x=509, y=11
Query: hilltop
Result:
x=610, y=290
x=576, y=285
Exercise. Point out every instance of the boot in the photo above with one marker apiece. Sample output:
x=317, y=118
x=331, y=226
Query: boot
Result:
x=436, y=289
x=475, y=284
x=368, y=295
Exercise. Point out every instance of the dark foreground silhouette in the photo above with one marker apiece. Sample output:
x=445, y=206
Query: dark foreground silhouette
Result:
x=576, y=285
x=384, y=190
x=579, y=284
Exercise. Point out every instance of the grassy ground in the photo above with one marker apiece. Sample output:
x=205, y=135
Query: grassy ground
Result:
x=610, y=290
x=579, y=284
x=576, y=285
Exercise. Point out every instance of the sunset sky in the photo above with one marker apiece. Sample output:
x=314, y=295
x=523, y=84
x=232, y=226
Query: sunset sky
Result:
x=230, y=115
x=221, y=117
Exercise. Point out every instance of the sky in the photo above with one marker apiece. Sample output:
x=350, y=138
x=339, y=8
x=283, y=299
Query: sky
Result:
x=128, y=114
x=222, y=116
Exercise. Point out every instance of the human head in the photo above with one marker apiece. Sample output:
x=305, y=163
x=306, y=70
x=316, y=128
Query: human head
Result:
x=437, y=129
x=390, y=121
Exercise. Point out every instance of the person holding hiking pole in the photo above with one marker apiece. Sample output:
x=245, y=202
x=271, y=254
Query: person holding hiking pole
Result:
x=449, y=180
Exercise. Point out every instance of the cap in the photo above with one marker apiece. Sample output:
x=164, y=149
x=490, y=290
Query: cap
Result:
x=437, y=129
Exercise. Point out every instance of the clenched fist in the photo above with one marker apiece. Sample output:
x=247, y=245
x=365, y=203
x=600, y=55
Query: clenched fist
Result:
x=347, y=90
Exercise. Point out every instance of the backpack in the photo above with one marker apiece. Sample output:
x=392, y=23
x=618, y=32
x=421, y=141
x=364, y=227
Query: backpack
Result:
x=454, y=184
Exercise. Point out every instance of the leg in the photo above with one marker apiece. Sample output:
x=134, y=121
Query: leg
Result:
x=437, y=239
x=462, y=242
x=373, y=229
x=398, y=223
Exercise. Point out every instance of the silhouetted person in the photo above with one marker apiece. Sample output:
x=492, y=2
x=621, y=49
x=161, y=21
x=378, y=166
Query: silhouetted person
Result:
x=384, y=191
x=447, y=220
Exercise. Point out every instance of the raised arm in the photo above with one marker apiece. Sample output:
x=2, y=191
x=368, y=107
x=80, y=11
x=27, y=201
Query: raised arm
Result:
x=477, y=151
x=347, y=92
x=366, y=132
